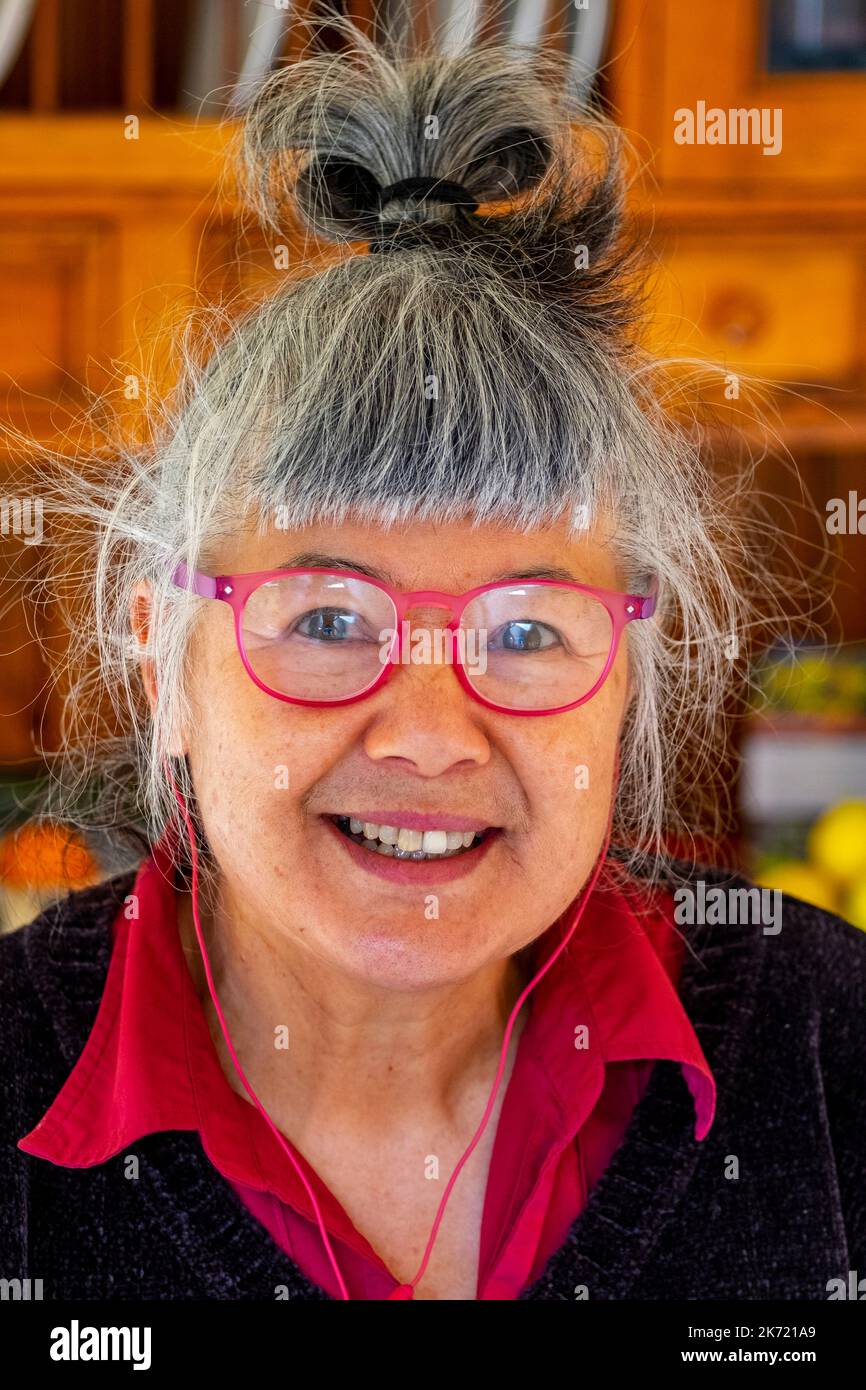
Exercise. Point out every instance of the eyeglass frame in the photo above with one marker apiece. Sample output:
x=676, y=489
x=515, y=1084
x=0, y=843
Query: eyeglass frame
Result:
x=236, y=589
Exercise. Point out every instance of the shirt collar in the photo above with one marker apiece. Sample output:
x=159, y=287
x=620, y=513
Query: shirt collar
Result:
x=611, y=993
x=149, y=1063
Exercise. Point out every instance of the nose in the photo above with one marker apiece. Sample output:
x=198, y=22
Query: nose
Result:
x=424, y=718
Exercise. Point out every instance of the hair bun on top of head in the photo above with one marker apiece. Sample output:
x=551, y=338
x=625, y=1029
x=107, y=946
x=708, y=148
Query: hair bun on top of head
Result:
x=484, y=156
x=366, y=146
x=403, y=153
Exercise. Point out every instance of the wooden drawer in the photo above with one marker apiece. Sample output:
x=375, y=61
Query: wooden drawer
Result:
x=788, y=309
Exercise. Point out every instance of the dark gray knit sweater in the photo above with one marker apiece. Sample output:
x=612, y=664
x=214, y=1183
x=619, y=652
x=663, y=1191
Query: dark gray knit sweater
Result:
x=781, y=1019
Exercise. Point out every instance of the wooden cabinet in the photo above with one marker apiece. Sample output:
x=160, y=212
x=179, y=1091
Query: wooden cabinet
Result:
x=761, y=258
x=99, y=245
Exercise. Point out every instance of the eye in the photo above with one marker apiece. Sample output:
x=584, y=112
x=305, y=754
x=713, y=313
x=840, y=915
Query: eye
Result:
x=526, y=636
x=331, y=625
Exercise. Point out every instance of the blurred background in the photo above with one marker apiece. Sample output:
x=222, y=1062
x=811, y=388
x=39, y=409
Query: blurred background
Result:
x=116, y=217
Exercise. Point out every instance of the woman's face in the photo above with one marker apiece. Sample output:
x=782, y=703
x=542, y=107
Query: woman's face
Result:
x=271, y=776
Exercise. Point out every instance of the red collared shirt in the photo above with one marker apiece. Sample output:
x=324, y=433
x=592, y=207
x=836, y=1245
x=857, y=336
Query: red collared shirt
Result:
x=598, y=1020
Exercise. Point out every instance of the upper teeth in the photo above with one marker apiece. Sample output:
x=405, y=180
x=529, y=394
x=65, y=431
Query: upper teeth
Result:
x=430, y=841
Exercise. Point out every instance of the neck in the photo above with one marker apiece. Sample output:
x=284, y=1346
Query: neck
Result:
x=316, y=1045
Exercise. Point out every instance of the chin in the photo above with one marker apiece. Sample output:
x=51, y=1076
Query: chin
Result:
x=404, y=952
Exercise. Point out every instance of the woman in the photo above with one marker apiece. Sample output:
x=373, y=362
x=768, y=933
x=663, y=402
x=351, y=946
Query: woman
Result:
x=398, y=1003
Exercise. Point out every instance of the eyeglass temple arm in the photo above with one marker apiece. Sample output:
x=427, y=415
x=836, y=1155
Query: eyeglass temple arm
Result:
x=194, y=581
x=648, y=601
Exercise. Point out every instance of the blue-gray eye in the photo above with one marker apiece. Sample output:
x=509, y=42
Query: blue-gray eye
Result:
x=527, y=636
x=330, y=625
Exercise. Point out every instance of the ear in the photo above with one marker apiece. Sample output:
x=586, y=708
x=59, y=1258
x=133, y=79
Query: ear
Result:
x=141, y=622
x=140, y=617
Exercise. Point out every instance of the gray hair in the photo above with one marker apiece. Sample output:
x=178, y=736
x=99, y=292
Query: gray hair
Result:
x=485, y=362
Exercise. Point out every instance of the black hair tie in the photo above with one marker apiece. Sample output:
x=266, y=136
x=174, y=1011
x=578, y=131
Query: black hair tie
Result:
x=420, y=188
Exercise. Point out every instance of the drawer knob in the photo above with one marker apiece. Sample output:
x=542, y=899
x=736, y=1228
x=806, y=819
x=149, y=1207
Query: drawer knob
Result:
x=738, y=316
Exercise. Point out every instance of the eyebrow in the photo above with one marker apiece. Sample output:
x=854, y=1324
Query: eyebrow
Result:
x=541, y=572
x=313, y=559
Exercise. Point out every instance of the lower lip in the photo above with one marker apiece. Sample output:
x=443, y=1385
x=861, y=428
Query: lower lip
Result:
x=414, y=872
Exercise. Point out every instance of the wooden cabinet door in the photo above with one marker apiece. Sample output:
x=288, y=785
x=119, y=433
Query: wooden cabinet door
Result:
x=668, y=56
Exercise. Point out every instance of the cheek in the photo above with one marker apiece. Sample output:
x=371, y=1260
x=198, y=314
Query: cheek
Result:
x=223, y=724
x=233, y=742
x=254, y=758
x=567, y=763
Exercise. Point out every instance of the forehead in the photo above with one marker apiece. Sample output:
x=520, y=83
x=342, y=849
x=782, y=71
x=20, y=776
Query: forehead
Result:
x=452, y=556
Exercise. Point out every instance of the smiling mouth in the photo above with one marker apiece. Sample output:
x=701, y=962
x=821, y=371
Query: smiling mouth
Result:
x=396, y=842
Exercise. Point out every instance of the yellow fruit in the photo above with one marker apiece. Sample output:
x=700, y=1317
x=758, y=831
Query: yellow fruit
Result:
x=837, y=841
x=855, y=905
x=801, y=881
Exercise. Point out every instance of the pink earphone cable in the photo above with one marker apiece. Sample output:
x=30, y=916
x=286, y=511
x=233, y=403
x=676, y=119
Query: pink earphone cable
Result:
x=403, y=1291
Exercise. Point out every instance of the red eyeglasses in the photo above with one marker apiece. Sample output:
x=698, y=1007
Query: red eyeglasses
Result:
x=331, y=637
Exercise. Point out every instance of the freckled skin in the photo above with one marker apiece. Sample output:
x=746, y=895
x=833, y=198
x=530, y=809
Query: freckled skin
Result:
x=396, y=1021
